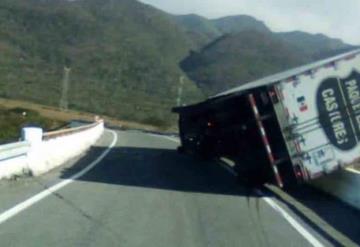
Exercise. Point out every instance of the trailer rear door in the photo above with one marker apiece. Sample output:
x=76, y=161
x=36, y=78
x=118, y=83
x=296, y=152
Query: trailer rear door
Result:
x=319, y=113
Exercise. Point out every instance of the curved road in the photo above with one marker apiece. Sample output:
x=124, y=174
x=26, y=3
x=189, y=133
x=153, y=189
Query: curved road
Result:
x=142, y=193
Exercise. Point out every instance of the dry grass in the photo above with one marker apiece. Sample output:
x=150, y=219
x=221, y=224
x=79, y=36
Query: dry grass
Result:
x=57, y=114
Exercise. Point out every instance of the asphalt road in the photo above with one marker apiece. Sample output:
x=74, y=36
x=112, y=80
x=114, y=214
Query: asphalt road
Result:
x=142, y=193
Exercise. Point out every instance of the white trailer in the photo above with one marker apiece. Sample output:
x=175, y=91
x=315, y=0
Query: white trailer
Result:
x=317, y=110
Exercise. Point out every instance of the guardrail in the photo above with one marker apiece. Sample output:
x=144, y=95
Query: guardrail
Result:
x=13, y=150
x=41, y=152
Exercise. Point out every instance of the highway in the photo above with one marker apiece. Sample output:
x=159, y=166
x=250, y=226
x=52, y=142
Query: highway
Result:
x=134, y=189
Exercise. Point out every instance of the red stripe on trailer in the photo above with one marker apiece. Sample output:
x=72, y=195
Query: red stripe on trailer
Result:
x=271, y=158
x=265, y=140
x=253, y=104
x=277, y=175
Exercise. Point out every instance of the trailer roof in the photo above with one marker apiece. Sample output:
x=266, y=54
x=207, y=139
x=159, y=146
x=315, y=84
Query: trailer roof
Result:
x=266, y=81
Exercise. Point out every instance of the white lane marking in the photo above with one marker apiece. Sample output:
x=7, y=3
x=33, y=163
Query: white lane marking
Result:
x=353, y=170
x=38, y=197
x=296, y=225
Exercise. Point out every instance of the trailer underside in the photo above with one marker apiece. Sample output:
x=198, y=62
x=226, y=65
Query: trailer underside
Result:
x=231, y=129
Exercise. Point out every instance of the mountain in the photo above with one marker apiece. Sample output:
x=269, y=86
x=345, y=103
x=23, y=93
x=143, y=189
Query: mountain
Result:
x=126, y=59
x=121, y=56
x=239, y=23
x=199, y=24
x=238, y=58
x=247, y=49
x=199, y=29
x=313, y=44
x=203, y=31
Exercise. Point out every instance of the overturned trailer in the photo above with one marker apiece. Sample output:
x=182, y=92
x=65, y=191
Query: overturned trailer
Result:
x=287, y=128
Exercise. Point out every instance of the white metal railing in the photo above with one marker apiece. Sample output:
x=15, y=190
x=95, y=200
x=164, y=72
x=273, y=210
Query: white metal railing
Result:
x=13, y=150
x=40, y=152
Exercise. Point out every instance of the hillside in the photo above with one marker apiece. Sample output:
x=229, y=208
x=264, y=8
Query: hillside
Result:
x=123, y=57
x=239, y=23
x=311, y=44
x=199, y=29
x=314, y=45
x=247, y=49
x=238, y=58
x=203, y=31
x=12, y=120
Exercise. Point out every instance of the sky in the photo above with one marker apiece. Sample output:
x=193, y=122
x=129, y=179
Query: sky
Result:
x=335, y=18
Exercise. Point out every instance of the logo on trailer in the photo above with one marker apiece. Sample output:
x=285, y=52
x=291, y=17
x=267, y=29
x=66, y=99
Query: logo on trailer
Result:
x=338, y=103
x=302, y=104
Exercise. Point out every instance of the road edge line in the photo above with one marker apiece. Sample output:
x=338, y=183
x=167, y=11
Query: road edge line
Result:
x=9, y=213
x=353, y=170
x=293, y=222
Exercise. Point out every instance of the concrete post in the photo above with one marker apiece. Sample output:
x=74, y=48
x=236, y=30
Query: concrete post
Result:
x=33, y=135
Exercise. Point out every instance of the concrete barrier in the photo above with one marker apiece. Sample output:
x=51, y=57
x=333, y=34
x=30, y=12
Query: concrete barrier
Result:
x=42, y=152
x=13, y=159
x=343, y=184
x=58, y=149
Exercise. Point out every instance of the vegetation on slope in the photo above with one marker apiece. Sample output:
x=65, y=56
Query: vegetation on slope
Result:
x=239, y=23
x=316, y=46
x=239, y=58
x=246, y=50
x=123, y=56
x=200, y=30
x=12, y=120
